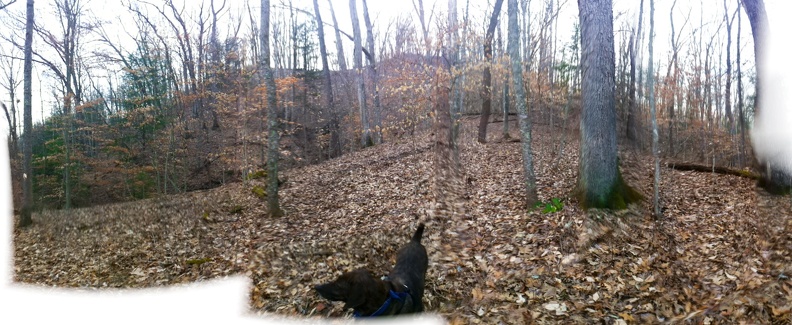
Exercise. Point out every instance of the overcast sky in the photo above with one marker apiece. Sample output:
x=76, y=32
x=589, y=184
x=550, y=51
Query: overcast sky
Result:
x=384, y=11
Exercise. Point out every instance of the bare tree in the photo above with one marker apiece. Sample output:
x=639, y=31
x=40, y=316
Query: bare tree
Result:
x=11, y=83
x=335, y=139
x=727, y=101
x=419, y=9
x=27, y=135
x=365, y=139
x=373, y=75
x=214, y=62
x=486, y=106
x=339, y=45
x=600, y=184
x=675, y=82
x=633, y=122
x=522, y=108
x=653, y=109
x=273, y=149
x=67, y=68
x=740, y=107
x=456, y=79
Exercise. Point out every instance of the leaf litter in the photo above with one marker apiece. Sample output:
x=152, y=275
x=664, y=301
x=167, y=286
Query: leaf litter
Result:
x=720, y=254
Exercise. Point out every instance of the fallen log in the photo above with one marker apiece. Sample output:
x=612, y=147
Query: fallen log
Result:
x=712, y=169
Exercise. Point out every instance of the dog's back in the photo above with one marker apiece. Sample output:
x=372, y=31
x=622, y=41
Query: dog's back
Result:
x=411, y=265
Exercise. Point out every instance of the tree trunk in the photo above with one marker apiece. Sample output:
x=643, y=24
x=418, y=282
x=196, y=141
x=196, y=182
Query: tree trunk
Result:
x=774, y=178
x=600, y=183
x=27, y=178
x=374, y=77
x=365, y=139
x=727, y=101
x=456, y=80
x=339, y=45
x=633, y=120
x=522, y=105
x=632, y=111
x=486, y=106
x=675, y=84
x=653, y=108
x=335, y=143
x=272, y=115
x=505, y=105
x=740, y=89
x=422, y=20
x=639, y=54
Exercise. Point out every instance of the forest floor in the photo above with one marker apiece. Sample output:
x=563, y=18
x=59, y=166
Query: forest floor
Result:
x=722, y=253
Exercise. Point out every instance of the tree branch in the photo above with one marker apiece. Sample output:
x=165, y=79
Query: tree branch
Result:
x=4, y=5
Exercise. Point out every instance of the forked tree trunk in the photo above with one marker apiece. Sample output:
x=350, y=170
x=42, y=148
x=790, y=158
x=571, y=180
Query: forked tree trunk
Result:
x=522, y=105
x=365, y=139
x=373, y=75
x=486, y=106
x=600, y=184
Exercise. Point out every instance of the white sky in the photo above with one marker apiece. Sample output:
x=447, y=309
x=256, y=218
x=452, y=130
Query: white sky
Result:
x=383, y=11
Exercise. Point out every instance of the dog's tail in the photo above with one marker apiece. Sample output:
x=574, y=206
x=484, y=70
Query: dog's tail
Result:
x=418, y=233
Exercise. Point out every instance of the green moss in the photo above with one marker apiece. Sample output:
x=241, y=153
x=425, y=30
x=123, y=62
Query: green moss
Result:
x=197, y=261
x=748, y=174
x=259, y=191
x=257, y=175
x=619, y=197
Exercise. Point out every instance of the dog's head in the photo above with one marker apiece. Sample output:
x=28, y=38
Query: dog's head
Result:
x=355, y=288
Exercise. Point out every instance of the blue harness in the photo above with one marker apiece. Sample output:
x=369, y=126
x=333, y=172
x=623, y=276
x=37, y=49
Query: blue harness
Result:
x=392, y=298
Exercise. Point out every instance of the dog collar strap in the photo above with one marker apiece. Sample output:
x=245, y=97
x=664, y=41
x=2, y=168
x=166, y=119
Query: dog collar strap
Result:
x=392, y=296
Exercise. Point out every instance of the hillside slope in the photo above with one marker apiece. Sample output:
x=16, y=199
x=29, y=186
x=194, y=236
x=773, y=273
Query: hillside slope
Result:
x=723, y=252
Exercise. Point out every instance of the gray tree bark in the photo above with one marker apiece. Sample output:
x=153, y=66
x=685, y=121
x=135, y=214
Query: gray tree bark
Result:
x=365, y=139
x=423, y=21
x=486, y=106
x=456, y=80
x=740, y=102
x=373, y=75
x=273, y=138
x=728, y=76
x=335, y=138
x=653, y=108
x=27, y=96
x=339, y=45
x=633, y=122
x=600, y=183
x=522, y=104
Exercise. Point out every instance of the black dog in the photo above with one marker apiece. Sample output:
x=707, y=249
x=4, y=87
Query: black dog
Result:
x=401, y=293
